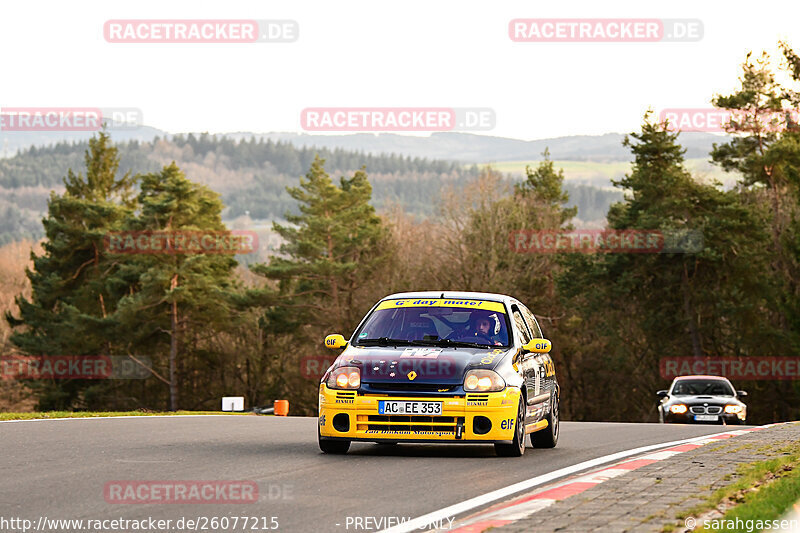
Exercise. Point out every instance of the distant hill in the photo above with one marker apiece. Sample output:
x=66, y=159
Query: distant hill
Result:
x=464, y=147
x=471, y=148
x=13, y=141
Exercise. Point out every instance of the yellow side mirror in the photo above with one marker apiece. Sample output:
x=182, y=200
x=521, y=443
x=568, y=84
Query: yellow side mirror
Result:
x=335, y=341
x=538, y=346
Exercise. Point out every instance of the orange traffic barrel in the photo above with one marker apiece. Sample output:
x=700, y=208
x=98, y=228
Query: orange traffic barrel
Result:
x=281, y=407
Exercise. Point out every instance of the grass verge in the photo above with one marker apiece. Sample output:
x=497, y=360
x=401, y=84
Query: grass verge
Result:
x=764, y=490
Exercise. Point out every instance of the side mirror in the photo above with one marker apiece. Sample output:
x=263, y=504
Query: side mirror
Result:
x=741, y=393
x=335, y=341
x=538, y=346
x=662, y=394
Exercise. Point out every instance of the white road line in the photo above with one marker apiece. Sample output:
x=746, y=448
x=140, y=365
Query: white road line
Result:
x=519, y=511
x=478, y=501
x=659, y=456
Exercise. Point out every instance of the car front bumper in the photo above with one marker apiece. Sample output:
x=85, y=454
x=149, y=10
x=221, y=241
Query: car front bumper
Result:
x=689, y=418
x=475, y=418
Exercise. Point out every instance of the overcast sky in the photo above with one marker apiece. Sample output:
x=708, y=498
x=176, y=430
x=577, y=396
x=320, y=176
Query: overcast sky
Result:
x=433, y=53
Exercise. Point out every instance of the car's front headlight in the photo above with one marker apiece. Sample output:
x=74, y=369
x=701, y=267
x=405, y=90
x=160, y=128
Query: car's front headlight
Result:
x=345, y=377
x=483, y=381
x=733, y=409
x=677, y=409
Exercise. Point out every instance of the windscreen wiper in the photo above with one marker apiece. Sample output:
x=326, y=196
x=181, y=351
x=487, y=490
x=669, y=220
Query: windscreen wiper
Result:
x=448, y=342
x=384, y=341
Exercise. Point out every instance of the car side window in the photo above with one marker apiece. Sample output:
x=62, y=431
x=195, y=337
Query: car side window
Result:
x=532, y=323
x=520, y=323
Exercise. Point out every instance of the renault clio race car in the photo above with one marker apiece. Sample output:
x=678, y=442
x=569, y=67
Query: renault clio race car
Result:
x=443, y=367
x=702, y=399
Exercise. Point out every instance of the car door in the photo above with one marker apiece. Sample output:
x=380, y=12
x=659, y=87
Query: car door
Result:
x=527, y=362
x=543, y=362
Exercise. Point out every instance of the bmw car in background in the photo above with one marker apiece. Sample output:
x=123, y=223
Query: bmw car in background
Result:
x=444, y=367
x=702, y=399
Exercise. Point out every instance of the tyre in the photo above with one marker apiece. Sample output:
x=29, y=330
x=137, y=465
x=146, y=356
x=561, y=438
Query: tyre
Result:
x=336, y=447
x=517, y=447
x=548, y=437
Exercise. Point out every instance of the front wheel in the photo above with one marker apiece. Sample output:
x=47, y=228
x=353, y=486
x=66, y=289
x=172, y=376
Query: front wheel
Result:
x=548, y=437
x=336, y=447
x=517, y=446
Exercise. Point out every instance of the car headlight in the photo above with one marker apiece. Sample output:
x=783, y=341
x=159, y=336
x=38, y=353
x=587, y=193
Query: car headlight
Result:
x=483, y=381
x=733, y=409
x=345, y=377
x=677, y=409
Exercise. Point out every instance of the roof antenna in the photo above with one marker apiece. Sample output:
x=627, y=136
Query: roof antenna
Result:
x=442, y=296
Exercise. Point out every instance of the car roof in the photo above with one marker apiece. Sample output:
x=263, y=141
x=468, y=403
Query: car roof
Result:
x=453, y=295
x=722, y=378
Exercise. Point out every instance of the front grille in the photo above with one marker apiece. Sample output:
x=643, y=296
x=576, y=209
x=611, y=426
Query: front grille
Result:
x=477, y=397
x=409, y=423
x=703, y=410
x=345, y=395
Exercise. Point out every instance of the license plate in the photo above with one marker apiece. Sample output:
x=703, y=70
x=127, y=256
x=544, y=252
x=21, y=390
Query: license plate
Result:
x=387, y=407
x=706, y=418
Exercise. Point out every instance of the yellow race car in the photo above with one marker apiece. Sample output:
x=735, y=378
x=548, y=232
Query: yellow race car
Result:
x=446, y=367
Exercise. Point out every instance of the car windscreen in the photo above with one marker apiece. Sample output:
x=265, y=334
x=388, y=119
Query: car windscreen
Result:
x=702, y=387
x=474, y=321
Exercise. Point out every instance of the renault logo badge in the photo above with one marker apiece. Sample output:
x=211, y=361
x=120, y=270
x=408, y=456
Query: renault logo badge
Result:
x=411, y=375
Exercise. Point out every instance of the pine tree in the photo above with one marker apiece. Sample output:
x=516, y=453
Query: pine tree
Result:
x=544, y=187
x=330, y=250
x=765, y=150
x=68, y=288
x=762, y=114
x=181, y=301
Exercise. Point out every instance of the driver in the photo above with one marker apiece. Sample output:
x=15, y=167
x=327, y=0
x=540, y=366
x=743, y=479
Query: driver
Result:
x=482, y=327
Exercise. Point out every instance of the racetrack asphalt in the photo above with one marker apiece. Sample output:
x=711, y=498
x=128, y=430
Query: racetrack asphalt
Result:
x=58, y=468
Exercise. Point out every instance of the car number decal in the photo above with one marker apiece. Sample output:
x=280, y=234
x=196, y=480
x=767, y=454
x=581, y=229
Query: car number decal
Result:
x=421, y=353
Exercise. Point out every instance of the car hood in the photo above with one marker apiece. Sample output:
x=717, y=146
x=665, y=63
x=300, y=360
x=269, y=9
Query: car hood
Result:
x=419, y=364
x=700, y=400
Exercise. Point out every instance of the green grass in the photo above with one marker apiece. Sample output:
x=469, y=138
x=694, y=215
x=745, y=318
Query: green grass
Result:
x=599, y=173
x=88, y=414
x=572, y=169
x=770, y=502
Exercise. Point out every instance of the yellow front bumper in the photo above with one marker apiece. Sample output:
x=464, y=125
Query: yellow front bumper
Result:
x=346, y=415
